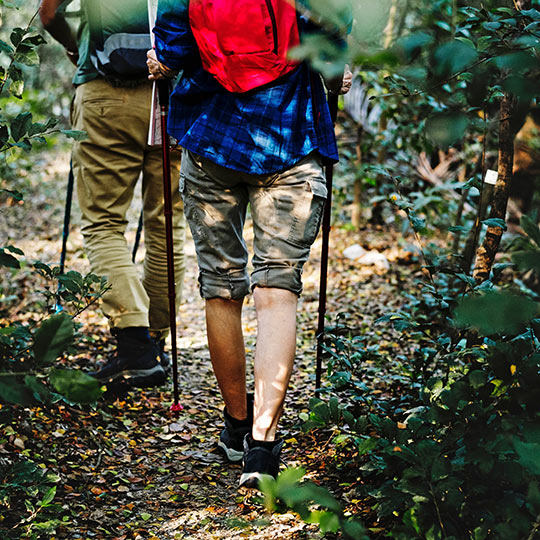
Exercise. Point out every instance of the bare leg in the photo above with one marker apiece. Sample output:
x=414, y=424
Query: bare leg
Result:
x=274, y=357
x=227, y=351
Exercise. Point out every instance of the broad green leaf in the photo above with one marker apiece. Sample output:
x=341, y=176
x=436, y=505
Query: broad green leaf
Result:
x=13, y=390
x=5, y=47
x=49, y=496
x=452, y=58
x=34, y=40
x=14, y=250
x=495, y=222
x=17, y=87
x=52, y=338
x=531, y=229
x=477, y=378
x=409, y=47
x=267, y=485
x=45, y=268
x=458, y=229
x=528, y=455
x=353, y=530
x=76, y=385
x=532, y=13
x=289, y=477
x=40, y=391
x=527, y=260
x=28, y=58
x=310, y=492
x=4, y=133
x=72, y=281
x=418, y=224
x=7, y=260
x=328, y=522
x=17, y=36
x=446, y=128
x=516, y=62
x=495, y=312
x=523, y=87
x=20, y=125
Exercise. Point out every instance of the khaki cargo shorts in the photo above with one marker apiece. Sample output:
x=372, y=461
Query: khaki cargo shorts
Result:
x=286, y=209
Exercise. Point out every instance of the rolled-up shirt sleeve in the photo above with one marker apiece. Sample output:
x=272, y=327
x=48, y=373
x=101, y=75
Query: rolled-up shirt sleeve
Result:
x=176, y=47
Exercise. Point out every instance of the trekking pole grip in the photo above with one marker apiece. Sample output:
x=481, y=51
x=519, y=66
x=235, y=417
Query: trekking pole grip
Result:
x=163, y=87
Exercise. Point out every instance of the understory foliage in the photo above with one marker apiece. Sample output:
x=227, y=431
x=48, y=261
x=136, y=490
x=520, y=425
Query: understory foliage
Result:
x=29, y=349
x=26, y=348
x=447, y=445
x=453, y=453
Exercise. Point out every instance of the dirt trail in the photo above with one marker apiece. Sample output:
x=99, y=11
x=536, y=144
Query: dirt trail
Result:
x=130, y=471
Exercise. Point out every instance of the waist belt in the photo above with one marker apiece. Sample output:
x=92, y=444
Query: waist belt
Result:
x=118, y=82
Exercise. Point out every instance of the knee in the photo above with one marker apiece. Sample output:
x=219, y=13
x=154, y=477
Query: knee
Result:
x=270, y=297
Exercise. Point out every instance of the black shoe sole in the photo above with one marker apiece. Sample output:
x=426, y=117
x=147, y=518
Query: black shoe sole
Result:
x=156, y=379
x=234, y=456
x=142, y=378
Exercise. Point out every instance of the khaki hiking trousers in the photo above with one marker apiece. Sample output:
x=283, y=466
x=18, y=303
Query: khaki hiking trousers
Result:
x=107, y=166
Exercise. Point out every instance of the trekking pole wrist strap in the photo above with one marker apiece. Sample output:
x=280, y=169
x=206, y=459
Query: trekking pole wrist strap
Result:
x=167, y=72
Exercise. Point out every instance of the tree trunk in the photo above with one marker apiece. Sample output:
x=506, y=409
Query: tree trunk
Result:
x=356, y=215
x=390, y=28
x=485, y=255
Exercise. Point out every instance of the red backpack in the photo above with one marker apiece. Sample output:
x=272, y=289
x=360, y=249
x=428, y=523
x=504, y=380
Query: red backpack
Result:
x=244, y=43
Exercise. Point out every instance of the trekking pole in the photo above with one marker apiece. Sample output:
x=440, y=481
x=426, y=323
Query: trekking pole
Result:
x=163, y=94
x=137, y=238
x=333, y=106
x=65, y=234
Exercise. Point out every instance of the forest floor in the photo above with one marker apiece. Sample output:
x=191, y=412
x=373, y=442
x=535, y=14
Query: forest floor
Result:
x=129, y=470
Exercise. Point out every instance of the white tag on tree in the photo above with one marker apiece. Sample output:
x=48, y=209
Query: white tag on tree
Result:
x=491, y=177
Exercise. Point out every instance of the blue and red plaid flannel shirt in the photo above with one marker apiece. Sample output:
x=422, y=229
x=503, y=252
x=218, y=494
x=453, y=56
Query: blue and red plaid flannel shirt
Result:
x=260, y=132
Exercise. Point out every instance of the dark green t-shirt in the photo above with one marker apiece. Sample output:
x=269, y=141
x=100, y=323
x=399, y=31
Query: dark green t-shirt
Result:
x=85, y=69
x=136, y=16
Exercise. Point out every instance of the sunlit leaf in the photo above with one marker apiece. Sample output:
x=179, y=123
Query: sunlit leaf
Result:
x=76, y=385
x=52, y=338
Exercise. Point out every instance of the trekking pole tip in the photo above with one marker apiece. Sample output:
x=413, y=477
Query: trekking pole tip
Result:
x=176, y=408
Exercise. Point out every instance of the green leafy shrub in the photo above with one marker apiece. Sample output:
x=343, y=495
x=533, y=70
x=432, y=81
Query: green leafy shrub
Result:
x=312, y=503
x=29, y=349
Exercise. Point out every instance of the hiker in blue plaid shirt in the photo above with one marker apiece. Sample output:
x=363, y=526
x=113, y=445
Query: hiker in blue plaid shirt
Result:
x=265, y=148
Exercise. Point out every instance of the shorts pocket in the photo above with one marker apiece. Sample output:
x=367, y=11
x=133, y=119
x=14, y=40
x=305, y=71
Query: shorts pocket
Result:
x=194, y=217
x=307, y=214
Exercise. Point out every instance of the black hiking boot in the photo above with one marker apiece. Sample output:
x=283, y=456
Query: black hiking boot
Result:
x=136, y=360
x=261, y=459
x=231, y=439
x=164, y=356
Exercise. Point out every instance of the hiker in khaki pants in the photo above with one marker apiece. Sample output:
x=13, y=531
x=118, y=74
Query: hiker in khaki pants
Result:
x=114, y=110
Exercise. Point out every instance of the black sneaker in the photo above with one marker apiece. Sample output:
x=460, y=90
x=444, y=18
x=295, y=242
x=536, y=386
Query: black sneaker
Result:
x=260, y=459
x=231, y=439
x=136, y=360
